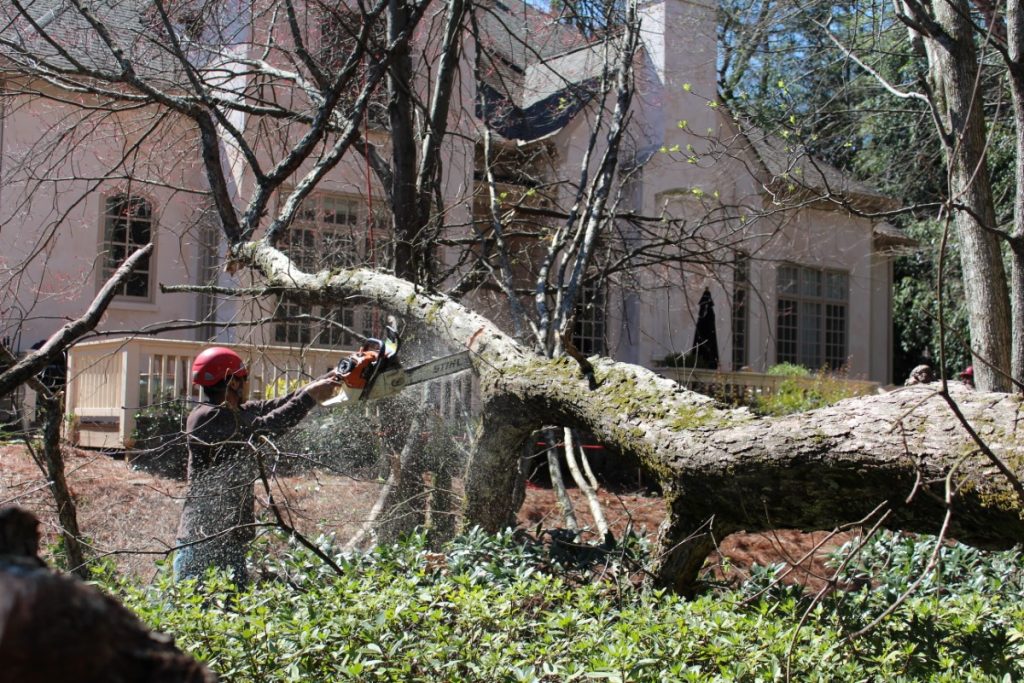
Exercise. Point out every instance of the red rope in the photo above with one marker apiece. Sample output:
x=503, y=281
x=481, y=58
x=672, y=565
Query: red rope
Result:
x=370, y=241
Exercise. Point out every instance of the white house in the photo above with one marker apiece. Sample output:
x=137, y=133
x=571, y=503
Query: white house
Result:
x=810, y=282
x=797, y=277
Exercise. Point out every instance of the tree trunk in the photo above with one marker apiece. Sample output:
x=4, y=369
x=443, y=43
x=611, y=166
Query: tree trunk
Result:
x=587, y=486
x=67, y=513
x=722, y=470
x=954, y=74
x=443, y=507
x=403, y=508
x=558, y=483
x=407, y=222
x=1017, y=303
x=491, y=477
x=1015, y=45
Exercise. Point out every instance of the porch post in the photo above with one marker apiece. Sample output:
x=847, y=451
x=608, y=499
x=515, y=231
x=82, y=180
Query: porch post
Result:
x=129, y=391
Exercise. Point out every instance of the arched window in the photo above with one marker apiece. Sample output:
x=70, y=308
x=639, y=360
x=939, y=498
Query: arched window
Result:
x=127, y=225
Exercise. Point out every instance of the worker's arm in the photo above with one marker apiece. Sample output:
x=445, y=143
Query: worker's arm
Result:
x=277, y=415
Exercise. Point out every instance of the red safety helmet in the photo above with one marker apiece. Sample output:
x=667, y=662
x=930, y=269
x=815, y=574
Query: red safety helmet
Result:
x=216, y=364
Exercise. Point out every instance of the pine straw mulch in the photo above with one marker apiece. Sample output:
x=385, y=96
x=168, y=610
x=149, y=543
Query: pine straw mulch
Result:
x=132, y=516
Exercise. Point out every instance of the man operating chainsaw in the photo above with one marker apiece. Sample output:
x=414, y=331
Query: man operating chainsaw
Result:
x=217, y=520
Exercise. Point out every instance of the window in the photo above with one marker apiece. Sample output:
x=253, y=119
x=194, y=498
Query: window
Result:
x=127, y=225
x=295, y=325
x=207, y=273
x=328, y=232
x=812, y=317
x=740, y=309
x=589, y=323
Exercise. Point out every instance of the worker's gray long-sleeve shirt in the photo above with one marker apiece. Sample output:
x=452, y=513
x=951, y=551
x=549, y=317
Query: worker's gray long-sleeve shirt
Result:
x=217, y=517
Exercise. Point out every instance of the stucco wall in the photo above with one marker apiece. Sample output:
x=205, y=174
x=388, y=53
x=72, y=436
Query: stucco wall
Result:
x=57, y=169
x=702, y=169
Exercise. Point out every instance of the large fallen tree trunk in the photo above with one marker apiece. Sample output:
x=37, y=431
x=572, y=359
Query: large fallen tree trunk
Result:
x=722, y=470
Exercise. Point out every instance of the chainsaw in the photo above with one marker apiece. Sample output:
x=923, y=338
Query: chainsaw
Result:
x=374, y=371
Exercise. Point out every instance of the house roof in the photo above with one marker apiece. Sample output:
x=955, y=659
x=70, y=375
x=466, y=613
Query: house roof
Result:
x=131, y=23
x=536, y=72
x=888, y=236
x=792, y=170
x=522, y=33
x=789, y=169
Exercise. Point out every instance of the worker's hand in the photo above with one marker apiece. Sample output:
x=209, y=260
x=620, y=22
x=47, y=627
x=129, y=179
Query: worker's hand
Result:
x=324, y=387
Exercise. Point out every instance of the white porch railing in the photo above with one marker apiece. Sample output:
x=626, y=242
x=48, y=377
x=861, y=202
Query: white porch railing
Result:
x=111, y=379
x=744, y=387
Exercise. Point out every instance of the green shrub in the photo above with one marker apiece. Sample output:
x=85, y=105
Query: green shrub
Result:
x=972, y=601
x=158, y=440
x=801, y=391
x=890, y=561
x=788, y=370
x=498, y=608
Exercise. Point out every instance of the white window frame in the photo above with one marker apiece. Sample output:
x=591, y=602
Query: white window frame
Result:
x=113, y=254
x=812, y=310
x=589, y=322
x=332, y=232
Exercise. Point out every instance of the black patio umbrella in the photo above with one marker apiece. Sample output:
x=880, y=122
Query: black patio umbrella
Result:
x=705, y=339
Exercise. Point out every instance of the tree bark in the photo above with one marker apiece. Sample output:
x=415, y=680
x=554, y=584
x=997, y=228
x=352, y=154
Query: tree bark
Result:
x=722, y=470
x=67, y=512
x=558, y=483
x=403, y=510
x=955, y=79
x=407, y=221
x=1015, y=59
x=587, y=485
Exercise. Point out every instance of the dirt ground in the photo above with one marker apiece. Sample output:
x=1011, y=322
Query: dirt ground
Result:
x=132, y=515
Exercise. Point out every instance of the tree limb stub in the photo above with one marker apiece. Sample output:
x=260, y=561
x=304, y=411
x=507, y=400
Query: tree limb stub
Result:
x=722, y=470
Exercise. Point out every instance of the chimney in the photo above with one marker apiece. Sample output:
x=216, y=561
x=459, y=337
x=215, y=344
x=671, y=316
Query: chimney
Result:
x=681, y=40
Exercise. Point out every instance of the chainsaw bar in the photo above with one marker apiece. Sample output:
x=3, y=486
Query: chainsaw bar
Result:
x=390, y=382
x=439, y=367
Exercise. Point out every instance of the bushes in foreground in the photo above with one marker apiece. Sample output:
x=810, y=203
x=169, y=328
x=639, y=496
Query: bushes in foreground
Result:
x=505, y=609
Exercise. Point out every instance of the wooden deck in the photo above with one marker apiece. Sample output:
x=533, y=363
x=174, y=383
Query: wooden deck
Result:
x=111, y=379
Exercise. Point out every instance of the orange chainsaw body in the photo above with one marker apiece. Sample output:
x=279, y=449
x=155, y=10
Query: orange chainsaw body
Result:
x=357, y=377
